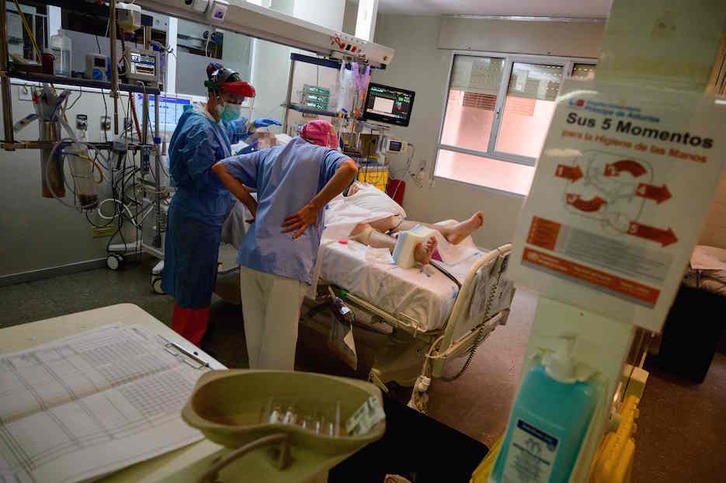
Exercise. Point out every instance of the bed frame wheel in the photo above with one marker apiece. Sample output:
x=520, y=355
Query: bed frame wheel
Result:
x=115, y=261
x=156, y=284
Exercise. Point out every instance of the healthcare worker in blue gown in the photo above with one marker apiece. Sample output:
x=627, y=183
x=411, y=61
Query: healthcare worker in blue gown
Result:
x=294, y=183
x=203, y=136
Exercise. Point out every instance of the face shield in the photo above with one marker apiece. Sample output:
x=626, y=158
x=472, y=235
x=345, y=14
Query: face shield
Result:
x=231, y=92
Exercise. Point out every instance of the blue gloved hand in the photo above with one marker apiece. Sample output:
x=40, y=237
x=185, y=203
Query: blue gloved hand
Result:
x=265, y=122
x=248, y=149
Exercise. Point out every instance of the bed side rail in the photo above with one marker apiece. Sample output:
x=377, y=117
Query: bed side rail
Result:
x=484, y=293
x=398, y=321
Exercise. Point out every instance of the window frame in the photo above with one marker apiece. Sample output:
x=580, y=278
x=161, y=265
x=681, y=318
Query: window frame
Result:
x=567, y=64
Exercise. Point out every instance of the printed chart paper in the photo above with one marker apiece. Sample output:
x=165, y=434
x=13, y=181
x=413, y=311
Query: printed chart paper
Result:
x=88, y=405
x=619, y=196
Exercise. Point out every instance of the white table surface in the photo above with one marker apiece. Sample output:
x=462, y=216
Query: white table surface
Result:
x=186, y=464
x=170, y=466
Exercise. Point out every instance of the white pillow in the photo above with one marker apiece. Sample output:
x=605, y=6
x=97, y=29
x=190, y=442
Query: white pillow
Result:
x=372, y=199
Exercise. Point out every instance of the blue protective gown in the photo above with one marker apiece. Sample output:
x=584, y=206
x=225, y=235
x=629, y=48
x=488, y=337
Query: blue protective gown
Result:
x=286, y=179
x=199, y=206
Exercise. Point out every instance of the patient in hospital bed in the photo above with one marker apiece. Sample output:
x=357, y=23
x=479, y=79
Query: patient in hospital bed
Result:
x=369, y=216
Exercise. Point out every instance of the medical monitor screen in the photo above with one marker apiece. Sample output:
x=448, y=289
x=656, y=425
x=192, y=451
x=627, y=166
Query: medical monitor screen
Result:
x=170, y=110
x=388, y=104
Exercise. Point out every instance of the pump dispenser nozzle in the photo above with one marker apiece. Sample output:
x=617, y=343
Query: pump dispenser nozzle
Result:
x=561, y=364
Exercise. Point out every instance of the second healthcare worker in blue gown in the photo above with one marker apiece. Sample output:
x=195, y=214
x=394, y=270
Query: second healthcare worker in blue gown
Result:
x=294, y=183
x=203, y=136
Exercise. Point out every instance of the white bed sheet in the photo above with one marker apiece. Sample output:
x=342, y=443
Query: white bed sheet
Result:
x=707, y=270
x=423, y=293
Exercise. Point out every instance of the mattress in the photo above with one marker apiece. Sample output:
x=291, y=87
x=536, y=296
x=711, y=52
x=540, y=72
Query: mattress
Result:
x=423, y=293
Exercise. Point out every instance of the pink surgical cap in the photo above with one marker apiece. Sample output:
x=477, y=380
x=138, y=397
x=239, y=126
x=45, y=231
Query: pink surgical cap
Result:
x=321, y=133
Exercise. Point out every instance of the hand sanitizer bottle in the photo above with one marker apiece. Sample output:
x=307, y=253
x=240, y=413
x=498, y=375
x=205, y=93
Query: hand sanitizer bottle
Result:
x=549, y=420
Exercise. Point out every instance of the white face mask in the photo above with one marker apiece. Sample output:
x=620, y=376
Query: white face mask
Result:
x=228, y=111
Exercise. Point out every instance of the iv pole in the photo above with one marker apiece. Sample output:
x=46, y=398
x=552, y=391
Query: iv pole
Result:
x=6, y=99
x=114, y=63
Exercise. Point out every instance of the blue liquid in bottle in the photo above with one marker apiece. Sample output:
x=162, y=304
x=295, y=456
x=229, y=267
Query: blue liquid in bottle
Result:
x=546, y=429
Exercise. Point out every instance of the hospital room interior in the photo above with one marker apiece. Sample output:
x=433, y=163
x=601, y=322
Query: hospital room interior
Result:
x=363, y=240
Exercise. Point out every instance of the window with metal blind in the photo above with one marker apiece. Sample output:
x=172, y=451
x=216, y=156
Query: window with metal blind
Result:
x=486, y=102
x=528, y=108
x=497, y=113
x=472, y=101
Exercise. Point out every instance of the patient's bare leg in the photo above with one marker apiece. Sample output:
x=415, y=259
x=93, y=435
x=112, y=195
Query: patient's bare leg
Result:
x=454, y=234
x=389, y=223
x=370, y=236
x=422, y=251
x=457, y=233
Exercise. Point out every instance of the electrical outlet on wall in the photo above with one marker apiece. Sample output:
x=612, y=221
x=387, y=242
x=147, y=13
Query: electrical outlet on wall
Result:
x=418, y=175
x=82, y=122
x=25, y=93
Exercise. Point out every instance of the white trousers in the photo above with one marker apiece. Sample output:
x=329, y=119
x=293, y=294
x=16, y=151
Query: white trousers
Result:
x=271, y=308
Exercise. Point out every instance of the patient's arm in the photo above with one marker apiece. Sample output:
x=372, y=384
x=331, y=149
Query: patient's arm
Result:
x=235, y=187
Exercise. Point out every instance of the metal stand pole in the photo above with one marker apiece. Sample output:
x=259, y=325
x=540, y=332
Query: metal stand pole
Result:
x=288, y=99
x=157, y=175
x=4, y=80
x=157, y=145
x=145, y=103
x=114, y=63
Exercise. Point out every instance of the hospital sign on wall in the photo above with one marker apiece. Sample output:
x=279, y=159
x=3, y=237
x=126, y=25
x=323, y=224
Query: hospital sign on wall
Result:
x=621, y=190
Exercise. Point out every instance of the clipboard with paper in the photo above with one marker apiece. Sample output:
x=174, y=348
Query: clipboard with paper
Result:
x=88, y=405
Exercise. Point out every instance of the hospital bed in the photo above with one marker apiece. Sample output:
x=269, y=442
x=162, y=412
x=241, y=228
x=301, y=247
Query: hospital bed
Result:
x=414, y=321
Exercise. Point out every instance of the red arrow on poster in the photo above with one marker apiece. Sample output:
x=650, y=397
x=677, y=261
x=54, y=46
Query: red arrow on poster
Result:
x=657, y=193
x=628, y=165
x=659, y=235
x=573, y=173
x=588, y=206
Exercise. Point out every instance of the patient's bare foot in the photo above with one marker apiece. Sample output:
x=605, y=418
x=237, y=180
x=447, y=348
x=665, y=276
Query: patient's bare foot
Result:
x=423, y=251
x=460, y=231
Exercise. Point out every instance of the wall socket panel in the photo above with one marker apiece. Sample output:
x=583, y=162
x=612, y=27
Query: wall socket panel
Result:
x=25, y=93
